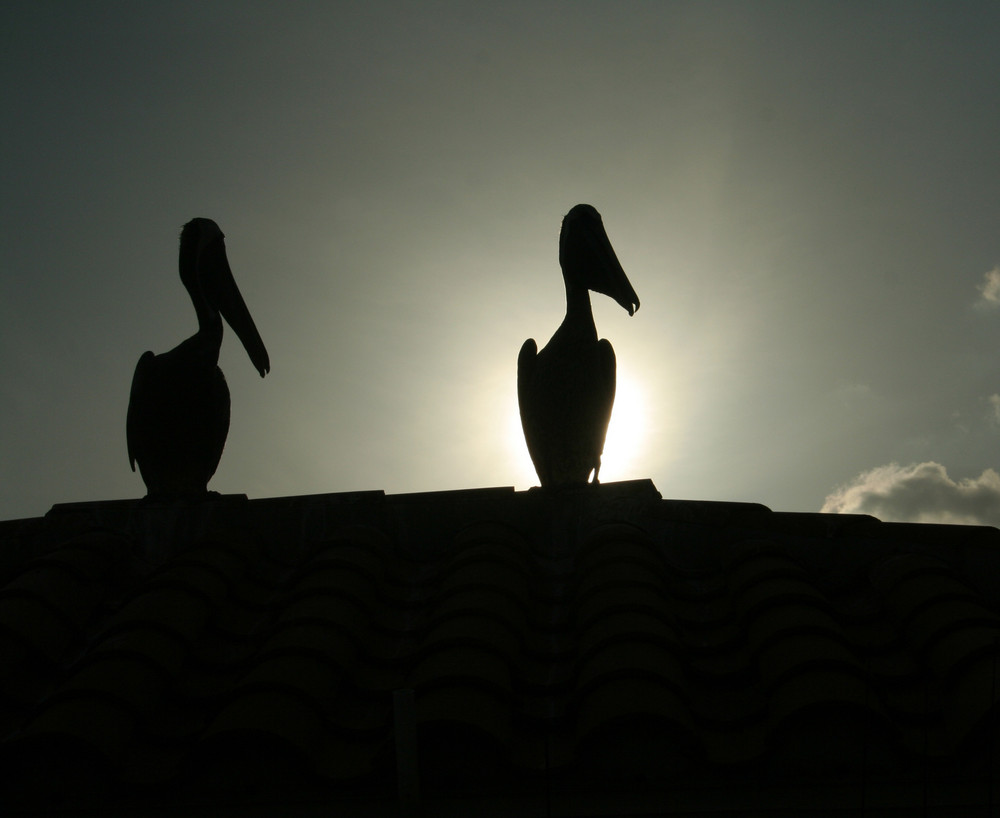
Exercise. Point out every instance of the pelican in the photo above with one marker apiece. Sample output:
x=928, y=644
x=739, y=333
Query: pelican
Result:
x=178, y=411
x=566, y=391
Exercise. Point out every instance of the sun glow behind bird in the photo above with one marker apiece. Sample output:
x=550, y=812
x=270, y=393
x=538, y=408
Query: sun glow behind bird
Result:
x=627, y=431
x=623, y=447
x=517, y=450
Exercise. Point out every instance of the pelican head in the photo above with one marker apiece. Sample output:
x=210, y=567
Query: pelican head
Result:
x=588, y=260
x=205, y=271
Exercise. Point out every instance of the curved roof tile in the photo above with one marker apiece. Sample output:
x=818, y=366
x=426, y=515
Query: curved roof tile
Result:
x=552, y=635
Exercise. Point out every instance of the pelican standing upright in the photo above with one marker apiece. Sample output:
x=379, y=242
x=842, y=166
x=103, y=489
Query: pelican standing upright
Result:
x=566, y=391
x=178, y=412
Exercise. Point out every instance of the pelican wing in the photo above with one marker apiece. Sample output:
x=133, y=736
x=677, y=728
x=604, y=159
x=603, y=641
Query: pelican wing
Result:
x=138, y=413
x=604, y=397
x=527, y=401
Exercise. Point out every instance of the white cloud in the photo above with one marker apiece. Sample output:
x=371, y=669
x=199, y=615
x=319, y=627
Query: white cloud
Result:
x=989, y=290
x=994, y=402
x=921, y=493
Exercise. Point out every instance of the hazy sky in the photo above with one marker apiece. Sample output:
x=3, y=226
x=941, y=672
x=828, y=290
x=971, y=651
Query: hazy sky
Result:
x=805, y=196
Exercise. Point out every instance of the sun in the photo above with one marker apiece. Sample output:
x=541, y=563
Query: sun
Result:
x=626, y=432
x=524, y=469
x=623, y=446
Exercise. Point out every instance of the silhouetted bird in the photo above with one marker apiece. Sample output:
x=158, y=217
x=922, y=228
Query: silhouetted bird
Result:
x=178, y=412
x=566, y=391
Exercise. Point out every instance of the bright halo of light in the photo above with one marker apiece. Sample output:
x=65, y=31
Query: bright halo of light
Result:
x=626, y=432
x=517, y=449
x=623, y=445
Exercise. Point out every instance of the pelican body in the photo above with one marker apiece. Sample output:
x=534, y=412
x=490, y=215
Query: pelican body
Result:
x=178, y=412
x=566, y=391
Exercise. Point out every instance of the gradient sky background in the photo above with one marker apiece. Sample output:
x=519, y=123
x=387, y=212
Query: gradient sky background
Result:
x=806, y=197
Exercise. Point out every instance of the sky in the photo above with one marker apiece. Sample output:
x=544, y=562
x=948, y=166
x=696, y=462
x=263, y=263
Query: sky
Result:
x=805, y=196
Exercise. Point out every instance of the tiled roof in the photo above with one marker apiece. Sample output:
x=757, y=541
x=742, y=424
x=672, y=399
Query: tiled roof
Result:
x=591, y=652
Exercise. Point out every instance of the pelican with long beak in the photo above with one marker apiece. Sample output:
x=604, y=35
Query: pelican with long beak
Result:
x=178, y=411
x=566, y=391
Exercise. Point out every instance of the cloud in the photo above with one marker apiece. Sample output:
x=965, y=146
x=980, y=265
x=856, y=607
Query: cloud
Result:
x=994, y=402
x=920, y=493
x=989, y=290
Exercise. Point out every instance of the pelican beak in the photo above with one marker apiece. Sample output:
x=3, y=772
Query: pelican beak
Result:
x=222, y=290
x=605, y=274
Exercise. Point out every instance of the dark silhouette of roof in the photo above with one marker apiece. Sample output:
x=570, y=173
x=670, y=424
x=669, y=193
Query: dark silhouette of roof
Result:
x=594, y=651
